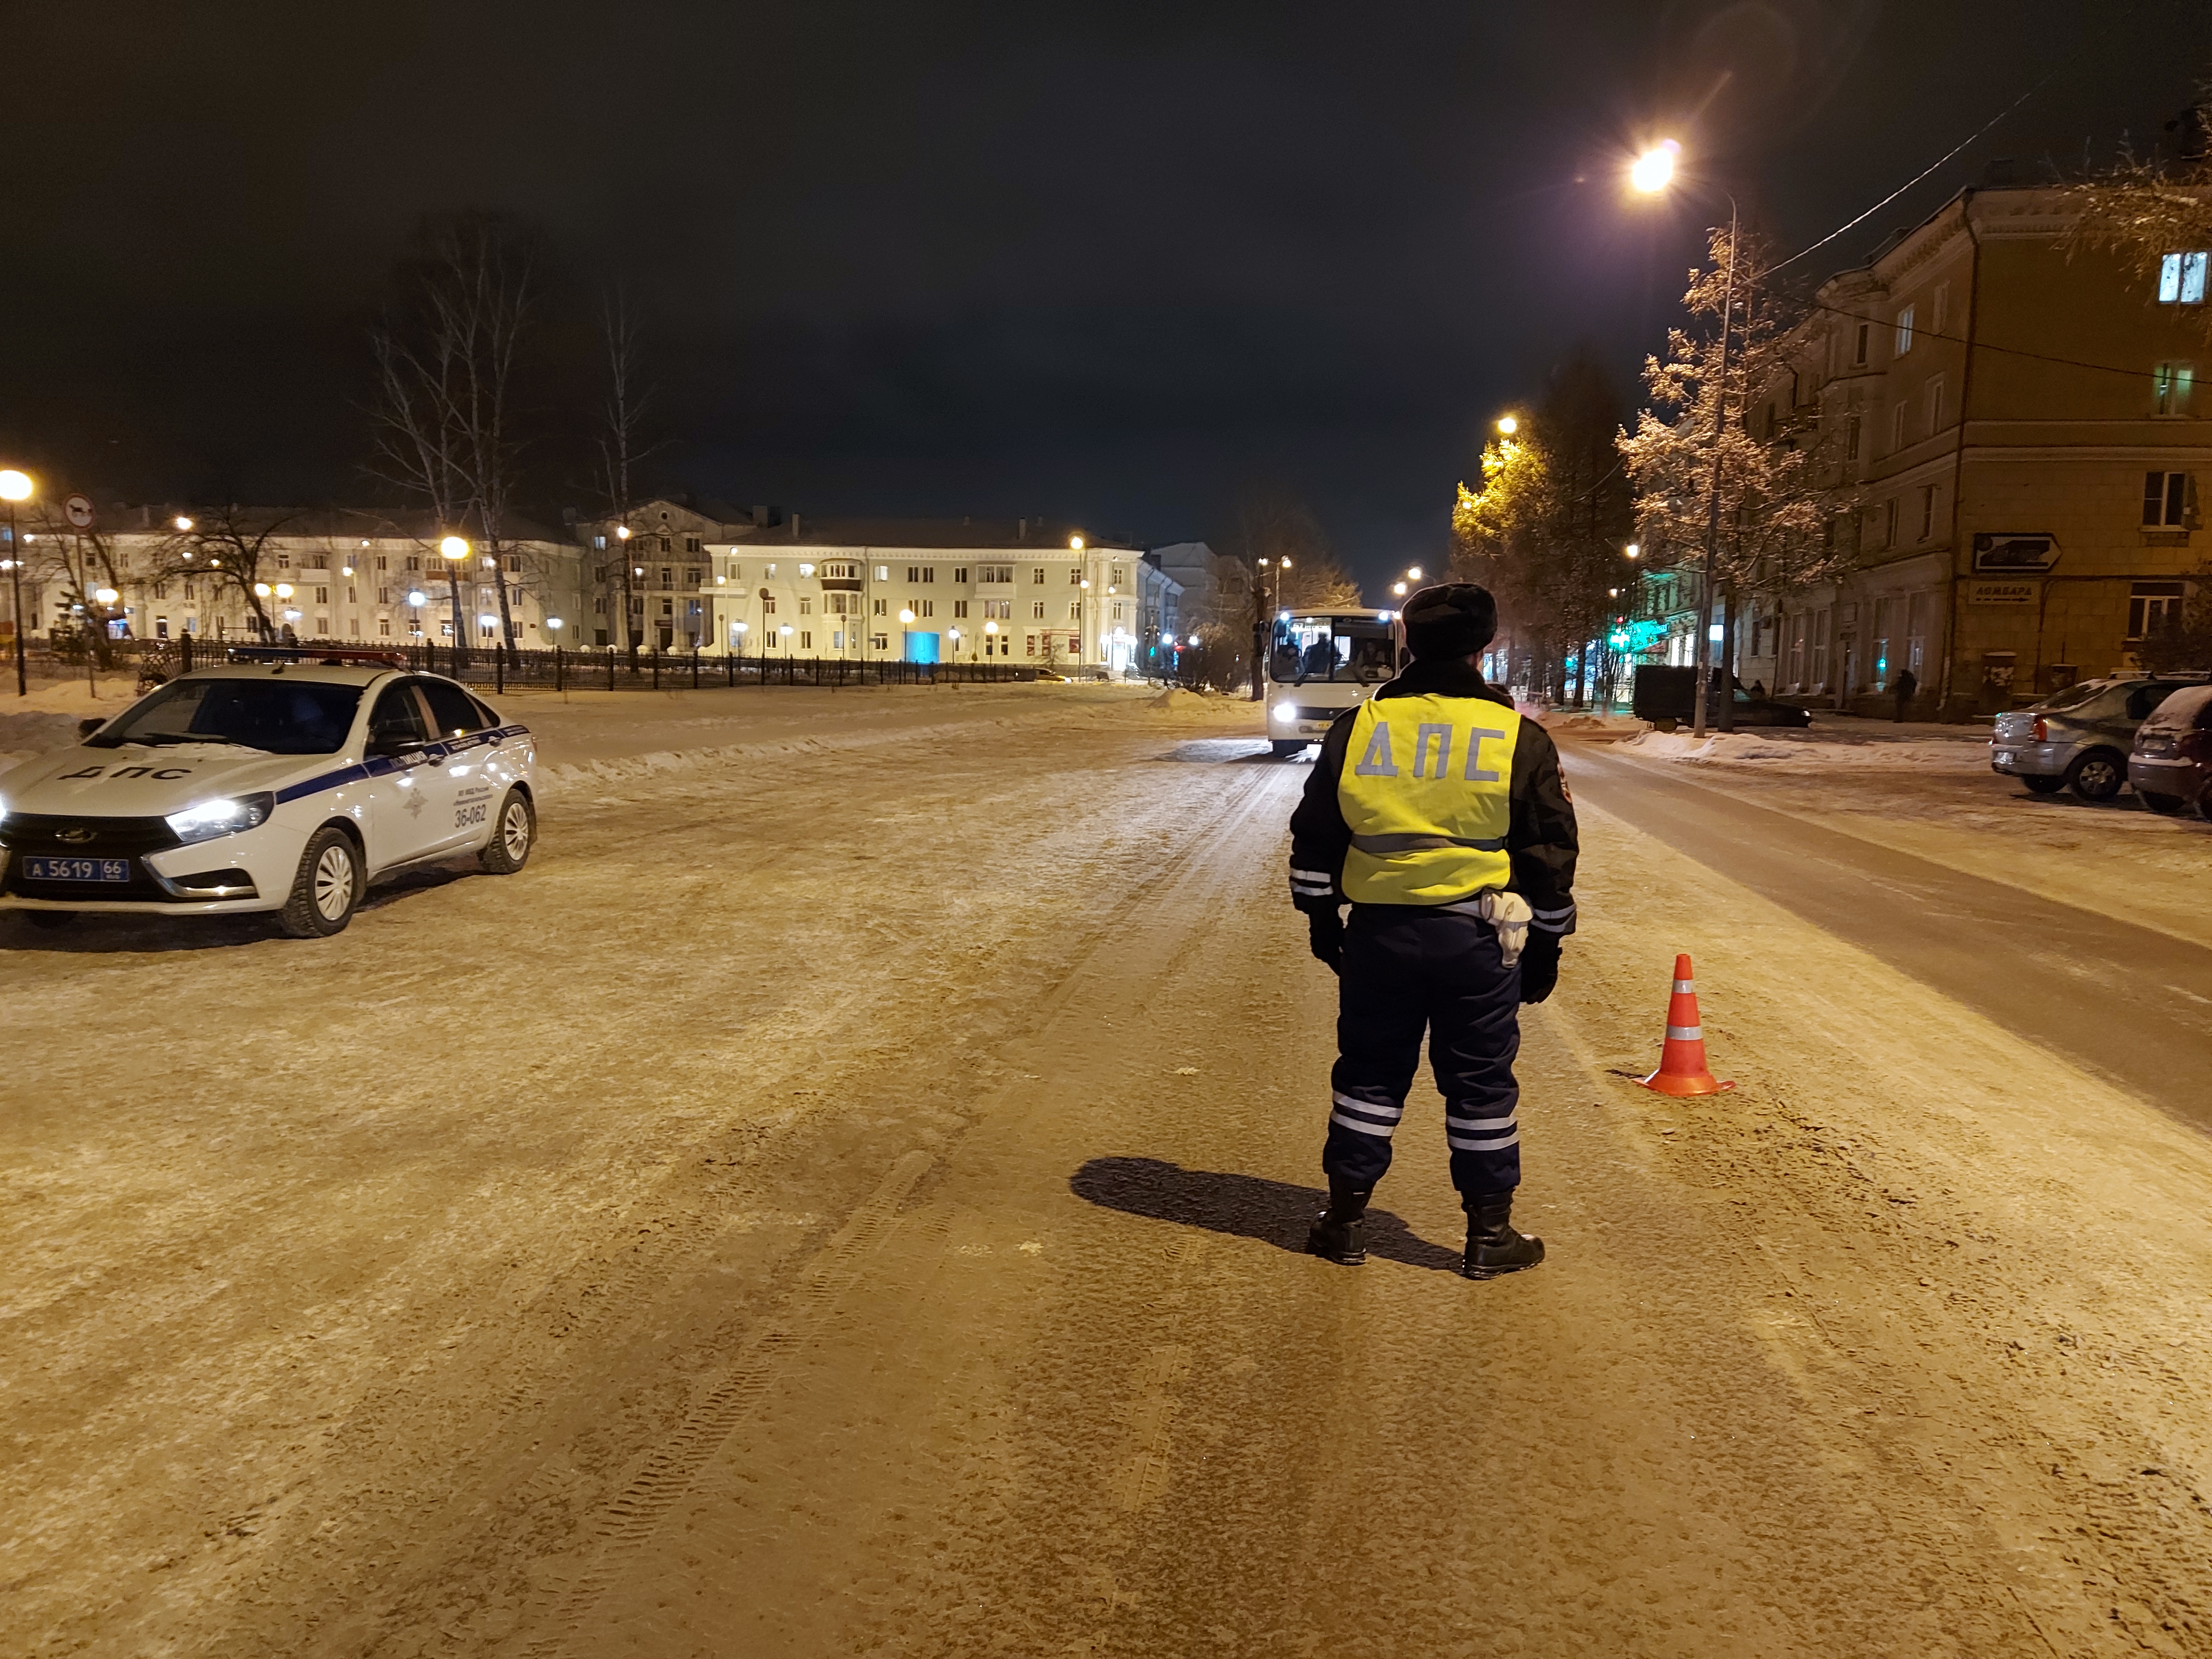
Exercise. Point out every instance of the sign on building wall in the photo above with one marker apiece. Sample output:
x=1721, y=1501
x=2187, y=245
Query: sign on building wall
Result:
x=2004, y=593
x=2002, y=549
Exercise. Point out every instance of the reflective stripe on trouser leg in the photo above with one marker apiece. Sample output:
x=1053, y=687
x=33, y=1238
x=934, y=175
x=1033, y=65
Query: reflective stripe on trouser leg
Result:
x=1474, y=1033
x=1379, y=1023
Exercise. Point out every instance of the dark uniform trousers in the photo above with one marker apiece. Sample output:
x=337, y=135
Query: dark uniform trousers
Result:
x=1408, y=969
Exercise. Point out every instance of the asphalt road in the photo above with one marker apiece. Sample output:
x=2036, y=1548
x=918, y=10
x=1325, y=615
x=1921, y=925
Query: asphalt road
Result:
x=2131, y=1003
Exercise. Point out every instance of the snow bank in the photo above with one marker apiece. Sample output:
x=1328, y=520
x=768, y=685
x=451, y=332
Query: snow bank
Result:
x=1816, y=749
x=1176, y=701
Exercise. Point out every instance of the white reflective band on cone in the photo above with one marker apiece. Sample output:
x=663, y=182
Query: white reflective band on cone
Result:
x=1684, y=1033
x=1684, y=985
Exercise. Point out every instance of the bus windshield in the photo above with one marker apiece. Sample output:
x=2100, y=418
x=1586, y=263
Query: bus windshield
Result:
x=1355, y=648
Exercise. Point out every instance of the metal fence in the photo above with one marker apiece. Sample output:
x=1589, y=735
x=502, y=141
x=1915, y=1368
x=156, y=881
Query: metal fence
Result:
x=557, y=668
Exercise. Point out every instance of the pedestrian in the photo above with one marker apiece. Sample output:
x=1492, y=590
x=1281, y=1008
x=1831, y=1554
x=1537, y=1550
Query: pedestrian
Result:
x=1907, y=684
x=1440, y=815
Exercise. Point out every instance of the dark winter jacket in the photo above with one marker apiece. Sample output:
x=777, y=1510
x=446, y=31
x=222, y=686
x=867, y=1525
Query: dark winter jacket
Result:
x=1540, y=841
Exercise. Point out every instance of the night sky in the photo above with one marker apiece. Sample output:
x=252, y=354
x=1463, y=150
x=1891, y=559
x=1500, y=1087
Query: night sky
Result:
x=1115, y=264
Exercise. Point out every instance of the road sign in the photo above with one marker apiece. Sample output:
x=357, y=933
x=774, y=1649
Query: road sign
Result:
x=77, y=509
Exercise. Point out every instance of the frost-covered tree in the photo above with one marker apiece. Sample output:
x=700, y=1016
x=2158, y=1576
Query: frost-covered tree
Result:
x=1759, y=510
x=2147, y=208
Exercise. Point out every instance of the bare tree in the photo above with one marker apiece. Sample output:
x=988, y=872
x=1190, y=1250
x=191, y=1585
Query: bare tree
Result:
x=445, y=354
x=228, y=547
x=621, y=422
x=82, y=563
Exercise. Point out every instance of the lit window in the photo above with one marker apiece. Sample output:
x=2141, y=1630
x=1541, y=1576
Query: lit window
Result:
x=1905, y=330
x=2170, y=384
x=2181, y=279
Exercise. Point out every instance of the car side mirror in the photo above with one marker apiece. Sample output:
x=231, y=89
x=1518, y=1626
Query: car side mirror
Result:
x=86, y=728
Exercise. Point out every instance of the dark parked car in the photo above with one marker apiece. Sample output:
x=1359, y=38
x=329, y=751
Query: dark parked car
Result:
x=2171, y=765
x=1664, y=695
x=2078, y=738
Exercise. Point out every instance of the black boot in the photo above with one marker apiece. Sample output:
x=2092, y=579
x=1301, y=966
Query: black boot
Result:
x=1492, y=1246
x=1340, y=1233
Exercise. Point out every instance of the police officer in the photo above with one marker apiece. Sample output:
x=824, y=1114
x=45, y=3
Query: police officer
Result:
x=1440, y=814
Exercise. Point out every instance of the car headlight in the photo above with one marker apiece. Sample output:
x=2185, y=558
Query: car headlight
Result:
x=210, y=819
x=1284, y=712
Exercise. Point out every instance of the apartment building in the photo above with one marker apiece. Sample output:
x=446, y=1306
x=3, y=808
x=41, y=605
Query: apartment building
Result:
x=2020, y=424
x=1042, y=594
x=357, y=577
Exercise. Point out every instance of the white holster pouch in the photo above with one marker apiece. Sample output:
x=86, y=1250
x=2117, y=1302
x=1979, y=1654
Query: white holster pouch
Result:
x=1508, y=915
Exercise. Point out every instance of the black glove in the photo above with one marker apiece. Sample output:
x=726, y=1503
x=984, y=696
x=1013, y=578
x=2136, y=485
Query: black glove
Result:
x=1325, y=933
x=1539, y=966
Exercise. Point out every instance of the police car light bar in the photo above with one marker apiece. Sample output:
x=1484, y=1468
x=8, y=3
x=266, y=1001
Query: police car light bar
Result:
x=334, y=655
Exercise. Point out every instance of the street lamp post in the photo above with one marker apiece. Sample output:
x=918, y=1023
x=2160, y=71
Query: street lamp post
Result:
x=453, y=550
x=16, y=487
x=906, y=641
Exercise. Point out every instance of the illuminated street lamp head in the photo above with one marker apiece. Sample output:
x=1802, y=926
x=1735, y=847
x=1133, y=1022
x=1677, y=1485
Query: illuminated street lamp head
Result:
x=183, y=522
x=1507, y=425
x=553, y=623
x=906, y=615
x=1412, y=573
x=1076, y=542
x=15, y=486
x=1635, y=551
x=990, y=628
x=261, y=590
x=454, y=548
x=283, y=590
x=622, y=532
x=1399, y=588
x=415, y=598
x=1654, y=170
x=1086, y=583
x=106, y=595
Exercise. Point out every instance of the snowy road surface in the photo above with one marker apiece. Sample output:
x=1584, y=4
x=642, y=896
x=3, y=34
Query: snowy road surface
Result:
x=844, y=1197
x=2128, y=1000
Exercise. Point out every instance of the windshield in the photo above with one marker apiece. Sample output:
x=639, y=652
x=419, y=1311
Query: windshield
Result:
x=1355, y=648
x=278, y=716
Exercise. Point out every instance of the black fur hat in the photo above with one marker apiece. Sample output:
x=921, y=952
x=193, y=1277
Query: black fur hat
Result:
x=1452, y=619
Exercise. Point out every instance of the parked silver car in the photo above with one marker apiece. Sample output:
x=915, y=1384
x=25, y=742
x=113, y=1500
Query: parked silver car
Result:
x=2078, y=738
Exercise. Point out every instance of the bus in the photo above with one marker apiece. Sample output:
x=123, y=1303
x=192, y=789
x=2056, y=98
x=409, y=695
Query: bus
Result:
x=1320, y=663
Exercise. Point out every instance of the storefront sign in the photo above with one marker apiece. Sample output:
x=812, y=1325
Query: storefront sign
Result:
x=2002, y=592
x=2002, y=549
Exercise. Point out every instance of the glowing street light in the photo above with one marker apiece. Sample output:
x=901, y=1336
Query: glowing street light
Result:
x=1412, y=573
x=283, y=590
x=16, y=487
x=1654, y=170
x=1632, y=551
x=261, y=590
x=106, y=595
x=182, y=522
x=1507, y=425
x=417, y=598
x=454, y=548
x=1076, y=542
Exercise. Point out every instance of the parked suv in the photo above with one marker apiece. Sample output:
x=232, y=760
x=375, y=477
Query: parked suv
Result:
x=2078, y=738
x=2171, y=766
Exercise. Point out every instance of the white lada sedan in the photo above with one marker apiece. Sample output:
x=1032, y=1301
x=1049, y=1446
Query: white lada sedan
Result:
x=285, y=786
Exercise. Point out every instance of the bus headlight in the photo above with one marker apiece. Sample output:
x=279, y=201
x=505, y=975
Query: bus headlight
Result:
x=1284, y=712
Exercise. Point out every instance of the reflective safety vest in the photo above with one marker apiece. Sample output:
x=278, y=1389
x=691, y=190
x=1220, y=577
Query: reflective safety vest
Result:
x=1427, y=790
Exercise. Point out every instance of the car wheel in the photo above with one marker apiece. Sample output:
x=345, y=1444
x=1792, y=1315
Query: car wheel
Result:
x=512, y=835
x=2097, y=777
x=327, y=889
x=47, y=921
x=2044, y=786
x=2159, y=802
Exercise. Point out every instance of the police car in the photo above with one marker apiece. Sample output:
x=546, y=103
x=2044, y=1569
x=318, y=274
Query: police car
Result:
x=282, y=786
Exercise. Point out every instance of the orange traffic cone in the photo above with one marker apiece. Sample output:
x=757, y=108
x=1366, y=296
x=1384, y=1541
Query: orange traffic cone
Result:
x=1682, y=1068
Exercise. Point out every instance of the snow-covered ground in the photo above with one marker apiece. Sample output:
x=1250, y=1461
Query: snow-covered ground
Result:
x=1928, y=790
x=844, y=1197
